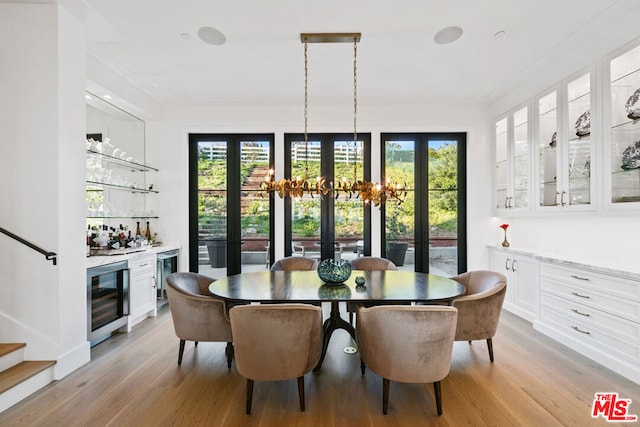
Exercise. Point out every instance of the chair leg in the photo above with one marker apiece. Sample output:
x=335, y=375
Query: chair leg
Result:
x=351, y=318
x=385, y=395
x=229, y=352
x=249, y=395
x=363, y=367
x=301, y=392
x=196, y=343
x=180, y=352
x=436, y=389
x=490, y=346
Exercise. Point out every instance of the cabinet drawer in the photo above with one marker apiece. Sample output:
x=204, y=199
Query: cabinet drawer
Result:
x=586, y=296
x=608, y=284
x=142, y=265
x=618, y=346
x=592, y=317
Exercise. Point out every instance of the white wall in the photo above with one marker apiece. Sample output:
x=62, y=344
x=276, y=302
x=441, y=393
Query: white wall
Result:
x=167, y=147
x=41, y=112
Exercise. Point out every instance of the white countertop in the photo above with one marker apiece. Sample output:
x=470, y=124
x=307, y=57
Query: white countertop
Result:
x=591, y=265
x=98, y=260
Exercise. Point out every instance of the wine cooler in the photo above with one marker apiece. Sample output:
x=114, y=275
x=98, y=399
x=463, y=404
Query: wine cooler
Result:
x=107, y=300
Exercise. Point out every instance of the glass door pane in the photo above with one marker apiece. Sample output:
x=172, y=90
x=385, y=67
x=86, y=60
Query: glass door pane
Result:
x=520, y=159
x=255, y=224
x=547, y=149
x=348, y=213
x=442, y=193
x=502, y=165
x=212, y=208
x=579, y=148
x=400, y=157
x=305, y=211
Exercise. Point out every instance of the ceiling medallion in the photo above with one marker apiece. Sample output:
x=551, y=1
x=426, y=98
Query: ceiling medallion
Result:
x=368, y=192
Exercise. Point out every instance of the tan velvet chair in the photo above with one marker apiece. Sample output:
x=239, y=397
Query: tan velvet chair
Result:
x=197, y=316
x=369, y=263
x=479, y=308
x=276, y=342
x=294, y=263
x=409, y=344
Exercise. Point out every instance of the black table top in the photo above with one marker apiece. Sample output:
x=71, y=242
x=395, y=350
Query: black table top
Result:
x=306, y=286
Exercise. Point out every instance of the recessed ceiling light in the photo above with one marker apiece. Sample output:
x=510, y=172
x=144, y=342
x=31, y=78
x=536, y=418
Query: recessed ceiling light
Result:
x=448, y=35
x=211, y=35
x=500, y=34
x=106, y=96
x=87, y=97
x=185, y=36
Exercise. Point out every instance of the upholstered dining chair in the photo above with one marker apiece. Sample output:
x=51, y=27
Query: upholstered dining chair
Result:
x=294, y=263
x=197, y=315
x=372, y=264
x=479, y=308
x=276, y=342
x=424, y=358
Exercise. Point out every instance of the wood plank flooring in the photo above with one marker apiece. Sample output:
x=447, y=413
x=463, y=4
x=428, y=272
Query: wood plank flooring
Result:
x=134, y=380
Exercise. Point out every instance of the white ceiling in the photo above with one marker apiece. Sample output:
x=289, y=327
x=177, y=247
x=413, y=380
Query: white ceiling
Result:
x=262, y=58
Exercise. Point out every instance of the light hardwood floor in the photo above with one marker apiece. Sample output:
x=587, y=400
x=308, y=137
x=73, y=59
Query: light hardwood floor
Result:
x=133, y=380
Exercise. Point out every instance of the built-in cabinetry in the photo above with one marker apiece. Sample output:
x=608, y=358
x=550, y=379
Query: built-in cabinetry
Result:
x=622, y=176
x=512, y=161
x=521, y=272
x=118, y=180
x=595, y=313
x=564, y=145
x=142, y=288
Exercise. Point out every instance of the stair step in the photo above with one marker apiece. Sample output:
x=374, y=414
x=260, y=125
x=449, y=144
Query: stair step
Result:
x=21, y=372
x=10, y=348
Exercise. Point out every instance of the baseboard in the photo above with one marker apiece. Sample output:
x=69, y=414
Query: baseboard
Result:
x=72, y=360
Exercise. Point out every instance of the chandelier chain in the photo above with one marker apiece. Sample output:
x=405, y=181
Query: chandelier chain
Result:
x=306, y=108
x=355, y=109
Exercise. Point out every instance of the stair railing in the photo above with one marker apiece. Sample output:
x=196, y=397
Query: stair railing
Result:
x=50, y=256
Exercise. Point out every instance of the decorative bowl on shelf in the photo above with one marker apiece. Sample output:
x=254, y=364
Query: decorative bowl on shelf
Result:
x=583, y=124
x=632, y=106
x=334, y=272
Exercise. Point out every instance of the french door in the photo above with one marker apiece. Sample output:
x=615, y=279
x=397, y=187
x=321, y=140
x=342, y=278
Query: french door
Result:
x=230, y=220
x=427, y=231
x=327, y=227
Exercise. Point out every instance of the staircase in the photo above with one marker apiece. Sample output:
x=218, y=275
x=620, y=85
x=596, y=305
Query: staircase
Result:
x=20, y=378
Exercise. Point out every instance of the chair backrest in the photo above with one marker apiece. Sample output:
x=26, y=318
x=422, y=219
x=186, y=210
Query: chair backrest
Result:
x=277, y=341
x=197, y=315
x=295, y=263
x=410, y=344
x=479, y=309
x=372, y=263
x=479, y=281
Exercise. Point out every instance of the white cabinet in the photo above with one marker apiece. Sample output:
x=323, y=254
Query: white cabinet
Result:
x=513, y=161
x=142, y=288
x=595, y=313
x=522, y=281
x=564, y=145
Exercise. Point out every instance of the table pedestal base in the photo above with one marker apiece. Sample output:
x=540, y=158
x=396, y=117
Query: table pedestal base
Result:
x=331, y=324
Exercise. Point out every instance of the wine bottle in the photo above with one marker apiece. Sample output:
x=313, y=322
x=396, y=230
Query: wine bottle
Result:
x=147, y=233
x=138, y=232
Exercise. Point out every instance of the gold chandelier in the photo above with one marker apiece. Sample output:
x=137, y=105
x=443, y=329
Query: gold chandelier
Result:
x=368, y=192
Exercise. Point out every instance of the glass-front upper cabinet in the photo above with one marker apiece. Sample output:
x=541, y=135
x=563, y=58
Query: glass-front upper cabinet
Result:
x=564, y=146
x=622, y=176
x=512, y=161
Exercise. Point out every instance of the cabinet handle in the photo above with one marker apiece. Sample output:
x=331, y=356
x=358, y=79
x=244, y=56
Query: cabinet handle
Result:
x=562, y=203
x=575, y=328
x=556, y=203
x=506, y=200
x=513, y=266
x=580, y=313
x=510, y=200
x=506, y=264
x=579, y=295
x=155, y=282
x=579, y=278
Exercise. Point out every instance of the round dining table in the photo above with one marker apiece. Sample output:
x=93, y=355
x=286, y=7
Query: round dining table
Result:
x=379, y=287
